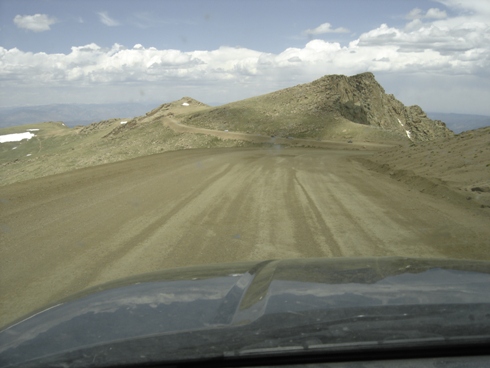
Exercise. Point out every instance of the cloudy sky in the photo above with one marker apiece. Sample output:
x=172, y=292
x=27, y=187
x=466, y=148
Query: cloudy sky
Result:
x=434, y=53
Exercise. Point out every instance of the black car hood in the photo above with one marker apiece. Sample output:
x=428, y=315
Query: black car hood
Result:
x=235, y=309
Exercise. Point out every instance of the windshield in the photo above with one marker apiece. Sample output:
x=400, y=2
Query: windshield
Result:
x=143, y=136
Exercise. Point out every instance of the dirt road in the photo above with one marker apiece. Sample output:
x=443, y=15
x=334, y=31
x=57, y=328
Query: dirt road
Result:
x=63, y=233
x=177, y=126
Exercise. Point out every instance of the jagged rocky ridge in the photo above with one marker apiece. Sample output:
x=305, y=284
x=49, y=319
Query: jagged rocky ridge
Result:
x=363, y=100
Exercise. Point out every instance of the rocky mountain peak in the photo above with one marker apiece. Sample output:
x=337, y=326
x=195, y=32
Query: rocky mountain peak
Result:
x=362, y=100
x=331, y=107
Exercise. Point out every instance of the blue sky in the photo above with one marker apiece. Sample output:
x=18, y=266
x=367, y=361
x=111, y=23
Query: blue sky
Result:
x=432, y=53
x=262, y=25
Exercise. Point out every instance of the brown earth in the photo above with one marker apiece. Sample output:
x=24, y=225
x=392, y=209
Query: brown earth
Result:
x=63, y=233
x=457, y=168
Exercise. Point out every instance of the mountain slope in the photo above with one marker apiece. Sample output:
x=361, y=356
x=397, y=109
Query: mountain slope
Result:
x=457, y=165
x=334, y=106
x=56, y=148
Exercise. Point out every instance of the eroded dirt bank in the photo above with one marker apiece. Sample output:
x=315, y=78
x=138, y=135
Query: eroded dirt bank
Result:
x=63, y=233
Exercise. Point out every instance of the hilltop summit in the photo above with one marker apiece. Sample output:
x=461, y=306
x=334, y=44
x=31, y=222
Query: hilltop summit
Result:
x=363, y=100
x=183, y=105
x=334, y=106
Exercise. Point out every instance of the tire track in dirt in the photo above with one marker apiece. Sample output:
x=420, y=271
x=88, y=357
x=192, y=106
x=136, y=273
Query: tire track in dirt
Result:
x=71, y=231
x=333, y=245
x=151, y=228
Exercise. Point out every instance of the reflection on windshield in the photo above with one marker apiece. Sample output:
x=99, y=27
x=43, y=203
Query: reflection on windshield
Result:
x=219, y=308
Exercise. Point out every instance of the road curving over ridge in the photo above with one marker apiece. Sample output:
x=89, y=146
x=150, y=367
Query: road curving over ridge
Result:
x=63, y=233
x=177, y=126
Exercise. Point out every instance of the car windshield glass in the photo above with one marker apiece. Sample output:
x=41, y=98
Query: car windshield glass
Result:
x=305, y=167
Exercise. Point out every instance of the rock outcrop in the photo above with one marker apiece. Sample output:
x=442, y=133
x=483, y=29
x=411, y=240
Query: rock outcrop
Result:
x=363, y=100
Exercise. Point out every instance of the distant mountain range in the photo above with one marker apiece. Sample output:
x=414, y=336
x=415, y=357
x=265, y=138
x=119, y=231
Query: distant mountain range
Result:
x=461, y=122
x=71, y=114
x=84, y=114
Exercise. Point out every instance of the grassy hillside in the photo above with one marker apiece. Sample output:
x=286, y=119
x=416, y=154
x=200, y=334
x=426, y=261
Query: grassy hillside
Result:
x=56, y=148
x=332, y=107
x=289, y=113
x=253, y=116
x=460, y=163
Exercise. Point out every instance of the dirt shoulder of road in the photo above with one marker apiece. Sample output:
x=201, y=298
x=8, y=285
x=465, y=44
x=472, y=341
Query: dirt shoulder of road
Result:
x=456, y=168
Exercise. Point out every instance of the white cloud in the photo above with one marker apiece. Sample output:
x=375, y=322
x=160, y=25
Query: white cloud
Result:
x=35, y=23
x=474, y=7
x=435, y=13
x=432, y=13
x=427, y=49
x=440, y=37
x=415, y=13
x=325, y=28
x=107, y=20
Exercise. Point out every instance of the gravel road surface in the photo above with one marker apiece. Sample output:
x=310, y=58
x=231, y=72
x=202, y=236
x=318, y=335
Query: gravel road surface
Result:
x=63, y=233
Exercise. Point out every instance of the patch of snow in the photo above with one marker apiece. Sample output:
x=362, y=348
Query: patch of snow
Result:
x=123, y=122
x=400, y=122
x=185, y=104
x=29, y=154
x=408, y=134
x=16, y=137
x=32, y=130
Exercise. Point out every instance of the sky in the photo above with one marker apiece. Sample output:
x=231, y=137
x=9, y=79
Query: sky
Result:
x=433, y=53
